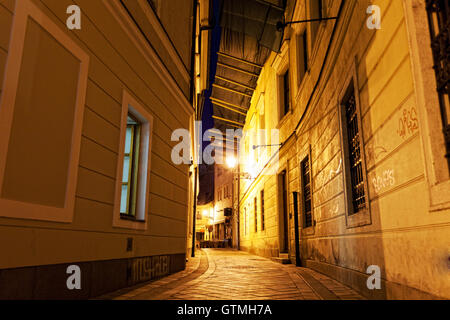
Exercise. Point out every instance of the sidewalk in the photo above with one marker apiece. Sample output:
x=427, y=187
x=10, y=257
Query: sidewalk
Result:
x=225, y=274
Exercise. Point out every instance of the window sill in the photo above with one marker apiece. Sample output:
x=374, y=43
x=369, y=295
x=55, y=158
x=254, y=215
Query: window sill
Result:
x=284, y=119
x=308, y=231
x=359, y=219
x=439, y=196
x=131, y=218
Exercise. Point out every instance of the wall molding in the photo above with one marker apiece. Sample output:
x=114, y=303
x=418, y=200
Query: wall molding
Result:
x=130, y=28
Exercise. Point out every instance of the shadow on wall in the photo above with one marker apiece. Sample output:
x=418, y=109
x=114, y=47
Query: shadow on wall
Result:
x=343, y=246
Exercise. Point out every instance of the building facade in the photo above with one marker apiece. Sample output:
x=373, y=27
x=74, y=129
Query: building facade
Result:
x=91, y=92
x=361, y=123
x=223, y=187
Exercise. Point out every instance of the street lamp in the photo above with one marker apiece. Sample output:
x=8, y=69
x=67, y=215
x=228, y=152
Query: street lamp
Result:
x=231, y=162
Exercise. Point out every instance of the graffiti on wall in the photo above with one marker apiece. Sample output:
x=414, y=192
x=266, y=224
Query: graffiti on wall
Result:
x=408, y=123
x=375, y=152
x=147, y=268
x=386, y=180
x=323, y=181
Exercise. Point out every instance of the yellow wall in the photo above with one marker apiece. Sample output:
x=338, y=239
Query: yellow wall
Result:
x=115, y=64
x=406, y=238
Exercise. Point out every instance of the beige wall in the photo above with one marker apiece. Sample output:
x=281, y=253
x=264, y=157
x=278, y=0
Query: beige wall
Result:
x=170, y=31
x=223, y=178
x=406, y=237
x=116, y=63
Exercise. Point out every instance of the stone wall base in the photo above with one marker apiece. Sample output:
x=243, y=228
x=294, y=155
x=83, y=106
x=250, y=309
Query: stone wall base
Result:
x=97, y=277
x=358, y=282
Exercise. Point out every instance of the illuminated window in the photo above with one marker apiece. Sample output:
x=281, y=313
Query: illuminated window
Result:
x=133, y=168
x=130, y=167
x=438, y=18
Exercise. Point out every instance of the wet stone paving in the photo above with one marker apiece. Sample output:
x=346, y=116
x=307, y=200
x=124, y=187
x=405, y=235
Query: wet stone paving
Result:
x=224, y=274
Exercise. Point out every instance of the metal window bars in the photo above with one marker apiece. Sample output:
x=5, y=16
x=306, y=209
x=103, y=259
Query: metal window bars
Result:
x=354, y=154
x=439, y=22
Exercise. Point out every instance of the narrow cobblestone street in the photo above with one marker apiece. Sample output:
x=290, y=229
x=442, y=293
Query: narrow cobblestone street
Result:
x=222, y=274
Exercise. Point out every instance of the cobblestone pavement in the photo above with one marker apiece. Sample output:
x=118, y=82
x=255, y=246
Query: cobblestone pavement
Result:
x=222, y=274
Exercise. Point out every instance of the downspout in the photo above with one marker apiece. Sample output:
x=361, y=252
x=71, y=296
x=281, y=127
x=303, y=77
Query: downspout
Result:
x=194, y=218
x=194, y=37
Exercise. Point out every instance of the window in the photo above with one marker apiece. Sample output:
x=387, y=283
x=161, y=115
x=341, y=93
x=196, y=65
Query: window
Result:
x=262, y=126
x=130, y=168
x=131, y=202
x=438, y=18
x=256, y=214
x=286, y=93
x=41, y=112
x=263, y=223
x=354, y=156
x=306, y=190
x=302, y=56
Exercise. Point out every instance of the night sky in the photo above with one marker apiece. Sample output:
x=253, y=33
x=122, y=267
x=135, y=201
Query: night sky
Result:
x=207, y=119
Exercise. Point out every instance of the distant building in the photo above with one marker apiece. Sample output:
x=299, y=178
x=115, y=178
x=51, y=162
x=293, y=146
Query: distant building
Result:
x=223, y=179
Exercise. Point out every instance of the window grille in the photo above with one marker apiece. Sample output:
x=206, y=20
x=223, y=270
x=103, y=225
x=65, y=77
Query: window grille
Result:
x=439, y=22
x=354, y=155
x=307, y=203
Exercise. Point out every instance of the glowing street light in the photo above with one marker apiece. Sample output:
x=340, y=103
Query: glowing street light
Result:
x=231, y=162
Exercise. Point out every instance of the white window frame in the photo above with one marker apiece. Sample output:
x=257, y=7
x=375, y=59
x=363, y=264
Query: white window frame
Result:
x=24, y=10
x=131, y=105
